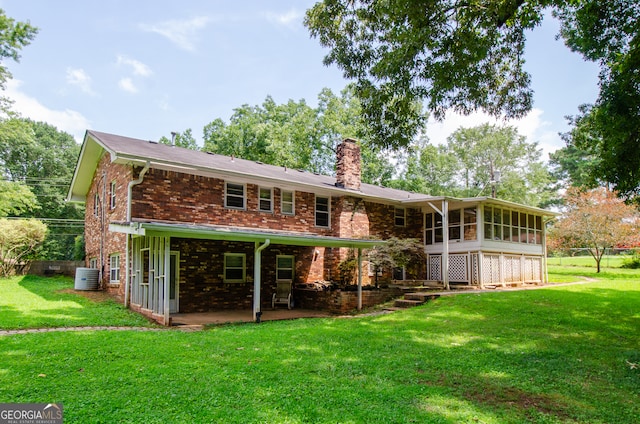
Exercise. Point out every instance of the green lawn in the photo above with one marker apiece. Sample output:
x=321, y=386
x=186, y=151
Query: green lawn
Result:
x=567, y=354
x=37, y=302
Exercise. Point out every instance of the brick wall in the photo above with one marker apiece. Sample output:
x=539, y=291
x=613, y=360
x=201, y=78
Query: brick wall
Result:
x=340, y=301
x=179, y=197
x=100, y=242
x=202, y=287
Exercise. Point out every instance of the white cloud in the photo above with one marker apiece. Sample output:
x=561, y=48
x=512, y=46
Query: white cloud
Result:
x=289, y=18
x=139, y=68
x=127, y=85
x=182, y=33
x=532, y=126
x=70, y=121
x=81, y=79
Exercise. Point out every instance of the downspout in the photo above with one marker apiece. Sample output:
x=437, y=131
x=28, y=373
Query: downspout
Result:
x=256, y=279
x=360, y=279
x=127, y=254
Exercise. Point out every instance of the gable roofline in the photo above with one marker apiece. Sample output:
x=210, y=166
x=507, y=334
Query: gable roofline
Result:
x=131, y=151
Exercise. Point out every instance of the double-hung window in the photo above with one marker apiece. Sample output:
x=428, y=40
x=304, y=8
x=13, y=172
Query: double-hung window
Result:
x=265, y=202
x=113, y=195
x=400, y=217
x=234, y=267
x=322, y=212
x=96, y=205
x=287, y=202
x=234, y=196
x=114, y=268
x=284, y=267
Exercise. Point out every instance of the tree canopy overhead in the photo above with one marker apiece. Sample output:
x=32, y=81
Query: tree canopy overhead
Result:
x=467, y=56
x=455, y=55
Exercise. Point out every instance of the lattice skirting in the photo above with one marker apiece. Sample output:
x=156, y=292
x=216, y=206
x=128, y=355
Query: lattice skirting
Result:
x=492, y=269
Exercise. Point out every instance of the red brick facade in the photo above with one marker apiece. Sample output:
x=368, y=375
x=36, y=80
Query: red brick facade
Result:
x=178, y=197
x=102, y=244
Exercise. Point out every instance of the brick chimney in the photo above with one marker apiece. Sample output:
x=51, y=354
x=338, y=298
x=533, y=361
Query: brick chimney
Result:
x=348, y=165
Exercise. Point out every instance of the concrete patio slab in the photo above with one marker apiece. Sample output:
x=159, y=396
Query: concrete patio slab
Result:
x=236, y=316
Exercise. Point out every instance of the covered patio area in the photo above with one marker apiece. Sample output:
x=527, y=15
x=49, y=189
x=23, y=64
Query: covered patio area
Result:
x=240, y=316
x=159, y=271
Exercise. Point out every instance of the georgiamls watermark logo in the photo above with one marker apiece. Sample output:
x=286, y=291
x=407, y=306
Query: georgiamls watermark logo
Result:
x=31, y=413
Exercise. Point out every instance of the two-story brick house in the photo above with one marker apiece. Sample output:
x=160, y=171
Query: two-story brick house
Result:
x=173, y=229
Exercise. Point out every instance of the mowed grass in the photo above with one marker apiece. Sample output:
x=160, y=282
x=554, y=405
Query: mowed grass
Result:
x=39, y=302
x=567, y=354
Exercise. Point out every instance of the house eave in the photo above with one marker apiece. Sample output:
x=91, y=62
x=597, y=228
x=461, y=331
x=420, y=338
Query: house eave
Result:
x=213, y=232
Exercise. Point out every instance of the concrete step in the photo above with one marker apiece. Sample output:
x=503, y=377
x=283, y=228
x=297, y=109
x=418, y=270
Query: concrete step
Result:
x=406, y=303
x=421, y=296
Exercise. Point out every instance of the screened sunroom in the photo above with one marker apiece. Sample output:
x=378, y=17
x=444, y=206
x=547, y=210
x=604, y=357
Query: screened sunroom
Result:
x=484, y=241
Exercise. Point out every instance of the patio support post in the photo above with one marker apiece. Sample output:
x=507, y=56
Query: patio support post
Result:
x=257, y=265
x=359, y=279
x=445, y=244
x=166, y=279
x=127, y=270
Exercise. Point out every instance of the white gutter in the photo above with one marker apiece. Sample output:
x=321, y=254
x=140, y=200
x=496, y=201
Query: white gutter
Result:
x=257, y=265
x=127, y=257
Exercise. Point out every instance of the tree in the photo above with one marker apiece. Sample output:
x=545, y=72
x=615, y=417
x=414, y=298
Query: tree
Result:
x=298, y=136
x=16, y=198
x=467, y=56
x=13, y=37
x=19, y=241
x=609, y=33
x=184, y=139
x=452, y=55
x=596, y=220
x=43, y=159
x=430, y=170
x=573, y=165
x=487, y=151
x=396, y=253
x=469, y=165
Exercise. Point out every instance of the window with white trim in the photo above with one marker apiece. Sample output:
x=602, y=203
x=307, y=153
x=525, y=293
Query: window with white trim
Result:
x=284, y=267
x=96, y=205
x=234, y=196
x=322, y=212
x=114, y=268
x=113, y=195
x=400, y=217
x=93, y=263
x=235, y=268
x=265, y=202
x=512, y=226
x=287, y=199
x=433, y=228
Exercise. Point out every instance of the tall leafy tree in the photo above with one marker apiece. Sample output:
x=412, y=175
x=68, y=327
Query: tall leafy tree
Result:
x=184, y=139
x=471, y=161
x=43, y=159
x=429, y=169
x=14, y=36
x=449, y=54
x=609, y=33
x=574, y=165
x=595, y=220
x=299, y=136
x=16, y=198
x=467, y=56
x=486, y=151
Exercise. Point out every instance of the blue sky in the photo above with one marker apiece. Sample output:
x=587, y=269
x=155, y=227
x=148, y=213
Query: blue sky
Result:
x=144, y=68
